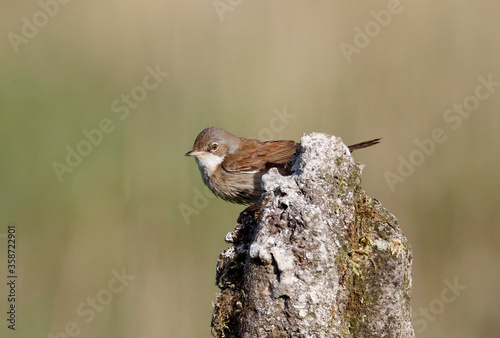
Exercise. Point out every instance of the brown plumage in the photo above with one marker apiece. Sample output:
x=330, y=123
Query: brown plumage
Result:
x=232, y=167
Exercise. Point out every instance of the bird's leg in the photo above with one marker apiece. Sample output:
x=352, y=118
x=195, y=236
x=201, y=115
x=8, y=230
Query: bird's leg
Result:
x=245, y=212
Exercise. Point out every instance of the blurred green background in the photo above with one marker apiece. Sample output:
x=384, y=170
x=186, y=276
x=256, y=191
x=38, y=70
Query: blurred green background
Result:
x=238, y=67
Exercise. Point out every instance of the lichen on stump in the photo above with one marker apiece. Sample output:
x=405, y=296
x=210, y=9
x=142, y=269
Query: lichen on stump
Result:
x=320, y=258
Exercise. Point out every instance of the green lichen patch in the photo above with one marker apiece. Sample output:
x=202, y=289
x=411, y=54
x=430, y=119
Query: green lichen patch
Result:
x=358, y=268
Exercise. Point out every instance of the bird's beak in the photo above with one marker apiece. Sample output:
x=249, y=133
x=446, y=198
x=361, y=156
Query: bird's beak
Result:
x=194, y=153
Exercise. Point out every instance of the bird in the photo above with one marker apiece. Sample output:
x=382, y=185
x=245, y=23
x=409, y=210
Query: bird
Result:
x=232, y=167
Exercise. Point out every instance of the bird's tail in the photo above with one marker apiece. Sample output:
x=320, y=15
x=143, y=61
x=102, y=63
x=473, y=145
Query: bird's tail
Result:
x=364, y=144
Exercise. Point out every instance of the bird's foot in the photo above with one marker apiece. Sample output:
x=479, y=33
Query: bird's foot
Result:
x=244, y=213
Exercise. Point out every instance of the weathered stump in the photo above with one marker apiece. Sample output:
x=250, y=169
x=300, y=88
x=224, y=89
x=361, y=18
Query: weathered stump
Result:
x=319, y=259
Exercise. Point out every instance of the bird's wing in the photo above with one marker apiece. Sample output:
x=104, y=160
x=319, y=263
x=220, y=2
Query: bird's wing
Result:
x=260, y=156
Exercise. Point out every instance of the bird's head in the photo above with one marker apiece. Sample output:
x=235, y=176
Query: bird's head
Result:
x=211, y=147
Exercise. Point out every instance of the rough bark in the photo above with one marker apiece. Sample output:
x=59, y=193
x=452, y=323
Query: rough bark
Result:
x=319, y=259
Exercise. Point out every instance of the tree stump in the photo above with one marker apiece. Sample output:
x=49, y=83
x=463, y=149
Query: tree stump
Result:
x=319, y=259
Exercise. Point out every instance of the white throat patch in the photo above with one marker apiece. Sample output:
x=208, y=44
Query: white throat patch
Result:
x=208, y=163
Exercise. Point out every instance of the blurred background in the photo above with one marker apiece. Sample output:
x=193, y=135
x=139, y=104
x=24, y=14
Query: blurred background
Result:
x=116, y=235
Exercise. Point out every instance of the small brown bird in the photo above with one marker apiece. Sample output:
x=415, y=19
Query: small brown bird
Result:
x=232, y=167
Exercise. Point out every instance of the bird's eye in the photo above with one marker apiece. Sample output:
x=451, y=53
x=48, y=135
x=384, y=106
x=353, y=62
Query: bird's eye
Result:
x=214, y=147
